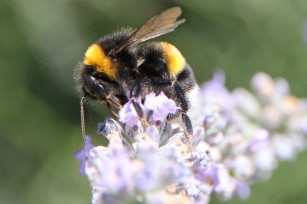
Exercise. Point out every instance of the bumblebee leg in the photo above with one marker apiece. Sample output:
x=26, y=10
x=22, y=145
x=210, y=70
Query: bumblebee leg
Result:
x=188, y=130
x=172, y=116
x=106, y=96
x=106, y=102
x=113, y=102
x=134, y=93
x=183, y=103
x=97, y=90
x=187, y=125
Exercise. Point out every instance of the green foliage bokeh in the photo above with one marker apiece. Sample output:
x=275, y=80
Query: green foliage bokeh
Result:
x=42, y=41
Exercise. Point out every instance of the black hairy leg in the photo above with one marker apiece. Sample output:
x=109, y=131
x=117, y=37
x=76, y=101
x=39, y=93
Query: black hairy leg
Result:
x=182, y=101
x=94, y=89
x=134, y=93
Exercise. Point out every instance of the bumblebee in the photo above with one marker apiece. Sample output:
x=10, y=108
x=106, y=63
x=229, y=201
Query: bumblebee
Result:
x=117, y=69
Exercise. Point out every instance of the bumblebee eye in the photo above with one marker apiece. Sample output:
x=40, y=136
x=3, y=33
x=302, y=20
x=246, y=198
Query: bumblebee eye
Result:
x=174, y=59
x=95, y=56
x=90, y=87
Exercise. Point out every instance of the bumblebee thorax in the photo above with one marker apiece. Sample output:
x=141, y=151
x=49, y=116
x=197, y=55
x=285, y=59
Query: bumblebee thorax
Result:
x=96, y=56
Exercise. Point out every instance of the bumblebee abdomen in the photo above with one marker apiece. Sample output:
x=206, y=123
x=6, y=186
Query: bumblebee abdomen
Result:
x=186, y=78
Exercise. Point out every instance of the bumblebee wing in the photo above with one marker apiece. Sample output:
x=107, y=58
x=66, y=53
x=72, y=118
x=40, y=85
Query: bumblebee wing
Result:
x=158, y=25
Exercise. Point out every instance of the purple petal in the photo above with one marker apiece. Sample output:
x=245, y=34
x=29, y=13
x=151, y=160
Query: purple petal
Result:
x=260, y=140
x=128, y=115
x=243, y=190
x=83, y=154
x=160, y=105
x=150, y=102
x=215, y=92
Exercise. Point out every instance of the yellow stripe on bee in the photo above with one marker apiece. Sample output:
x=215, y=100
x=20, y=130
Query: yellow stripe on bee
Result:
x=174, y=59
x=96, y=57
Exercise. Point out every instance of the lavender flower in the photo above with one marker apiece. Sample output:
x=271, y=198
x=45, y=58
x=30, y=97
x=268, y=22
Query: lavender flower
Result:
x=156, y=109
x=239, y=138
x=83, y=154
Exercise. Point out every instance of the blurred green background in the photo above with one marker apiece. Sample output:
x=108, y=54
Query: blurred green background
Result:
x=42, y=41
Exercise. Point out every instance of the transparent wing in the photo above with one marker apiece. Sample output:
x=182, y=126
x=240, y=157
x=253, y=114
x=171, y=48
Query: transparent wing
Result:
x=158, y=25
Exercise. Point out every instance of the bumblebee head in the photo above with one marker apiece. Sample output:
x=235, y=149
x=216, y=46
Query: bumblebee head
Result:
x=96, y=57
x=174, y=59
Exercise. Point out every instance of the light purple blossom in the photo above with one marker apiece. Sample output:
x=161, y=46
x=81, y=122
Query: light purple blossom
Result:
x=260, y=140
x=160, y=105
x=83, y=154
x=214, y=91
x=129, y=116
x=113, y=170
x=243, y=190
x=284, y=147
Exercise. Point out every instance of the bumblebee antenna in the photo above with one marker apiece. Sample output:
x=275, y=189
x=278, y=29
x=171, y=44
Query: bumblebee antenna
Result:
x=82, y=117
